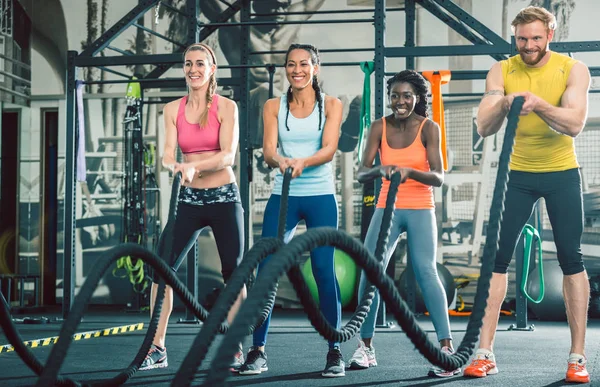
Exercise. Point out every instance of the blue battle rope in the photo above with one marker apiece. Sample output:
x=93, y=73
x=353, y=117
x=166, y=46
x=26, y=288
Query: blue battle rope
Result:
x=257, y=305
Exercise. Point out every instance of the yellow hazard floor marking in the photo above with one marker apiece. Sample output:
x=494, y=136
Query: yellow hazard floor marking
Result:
x=77, y=336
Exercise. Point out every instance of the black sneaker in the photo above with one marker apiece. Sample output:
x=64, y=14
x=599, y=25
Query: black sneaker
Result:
x=156, y=358
x=256, y=362
x=335, y=366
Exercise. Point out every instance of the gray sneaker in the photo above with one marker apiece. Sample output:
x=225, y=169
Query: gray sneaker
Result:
x=256, y=362
x=156, y=358
x=335, y=366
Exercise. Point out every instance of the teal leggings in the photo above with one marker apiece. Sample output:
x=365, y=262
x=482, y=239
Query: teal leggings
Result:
x=422, y=243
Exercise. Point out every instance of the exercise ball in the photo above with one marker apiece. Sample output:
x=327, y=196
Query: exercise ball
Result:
x=446, y=278
x=345, y=271
x=552, y=307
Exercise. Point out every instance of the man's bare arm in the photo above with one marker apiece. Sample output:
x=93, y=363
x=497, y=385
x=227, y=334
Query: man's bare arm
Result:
x=492, y=108
x=569, y=118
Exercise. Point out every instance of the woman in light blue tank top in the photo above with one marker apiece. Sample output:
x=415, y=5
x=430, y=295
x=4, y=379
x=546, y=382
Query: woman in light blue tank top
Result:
x=305, y=123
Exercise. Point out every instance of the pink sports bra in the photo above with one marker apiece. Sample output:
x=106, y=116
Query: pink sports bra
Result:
x=194, y=139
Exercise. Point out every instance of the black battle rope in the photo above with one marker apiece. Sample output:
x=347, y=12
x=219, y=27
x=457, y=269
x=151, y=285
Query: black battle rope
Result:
x=257, y=302
x=315, y=315
x=291, y=254
x=48, y=375
x=59, y=352
x=255, y=255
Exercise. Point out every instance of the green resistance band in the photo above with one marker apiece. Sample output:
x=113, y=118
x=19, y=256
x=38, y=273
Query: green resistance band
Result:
x=135, y=272
x=365, y=107
x=149, y=154
x=530, y=233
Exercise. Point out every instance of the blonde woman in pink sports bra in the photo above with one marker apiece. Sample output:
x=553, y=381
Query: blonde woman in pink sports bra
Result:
x=205, y=127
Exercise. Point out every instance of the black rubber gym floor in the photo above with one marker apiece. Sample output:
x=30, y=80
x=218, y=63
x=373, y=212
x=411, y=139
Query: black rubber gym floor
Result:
x=296, y=354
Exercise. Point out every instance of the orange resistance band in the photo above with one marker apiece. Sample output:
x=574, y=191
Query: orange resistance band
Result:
x=437, y=79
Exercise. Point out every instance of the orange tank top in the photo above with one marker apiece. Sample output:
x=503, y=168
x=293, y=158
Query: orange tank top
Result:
x=411, y=194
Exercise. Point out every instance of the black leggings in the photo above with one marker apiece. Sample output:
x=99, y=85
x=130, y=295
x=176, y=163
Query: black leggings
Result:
x=563, y=196
x=217, y=208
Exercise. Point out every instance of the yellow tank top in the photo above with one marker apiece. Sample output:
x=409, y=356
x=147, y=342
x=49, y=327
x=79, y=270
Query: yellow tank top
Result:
x=538, y=148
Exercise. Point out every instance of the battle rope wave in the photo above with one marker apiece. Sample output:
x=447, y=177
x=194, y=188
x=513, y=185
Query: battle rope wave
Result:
x=255, y=255
x=252, y=311
x=291, y=254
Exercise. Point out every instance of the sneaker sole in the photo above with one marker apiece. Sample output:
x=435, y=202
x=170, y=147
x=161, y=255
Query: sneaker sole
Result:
x=447, y=374
x=493, y=371
x=154, y=366
x=577, y=381
x=331, y=375
x=252, y=372
x=357, y=366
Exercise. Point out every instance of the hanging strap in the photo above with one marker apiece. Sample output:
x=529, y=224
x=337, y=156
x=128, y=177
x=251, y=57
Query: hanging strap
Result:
x=437, y=79
x=80, y=162
x=365, y=107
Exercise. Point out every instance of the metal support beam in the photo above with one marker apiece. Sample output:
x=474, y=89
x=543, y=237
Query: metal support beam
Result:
x=122, y=52
x=16, y=78
x=15, y=93
x=192, y=9
x=480, y=49
x=152, y=32
x=69, y=201
x=157, y=59
x=460, y=27
x=132, y=16
x=575, y=46
x=245, y=149
x=114, y=72
x=380, y=56
x=204, y=33
x=280, y=23
x=410, y=28
x=327, y=12
x=469, y=20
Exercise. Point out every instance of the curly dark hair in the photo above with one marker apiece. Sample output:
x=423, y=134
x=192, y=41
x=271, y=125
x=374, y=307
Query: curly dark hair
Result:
x=419, y=84
x=316, y=59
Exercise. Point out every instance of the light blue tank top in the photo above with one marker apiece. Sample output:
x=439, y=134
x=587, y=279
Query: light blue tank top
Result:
x=303, y=139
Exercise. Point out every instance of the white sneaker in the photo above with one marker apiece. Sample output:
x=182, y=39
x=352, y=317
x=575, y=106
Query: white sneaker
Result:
x=363, y=358
x=440, y=372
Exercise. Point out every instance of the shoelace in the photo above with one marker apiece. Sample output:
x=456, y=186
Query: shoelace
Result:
x=333, y=357
x=484, y=362
x=577, y=366
x=253, y=356
x=150, y=352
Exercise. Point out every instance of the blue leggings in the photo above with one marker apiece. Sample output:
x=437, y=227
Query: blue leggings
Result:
x=422, y=243
x=316, y=211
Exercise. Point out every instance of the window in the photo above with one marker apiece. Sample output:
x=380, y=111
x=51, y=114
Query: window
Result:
x=2, y=60
x=6, y=17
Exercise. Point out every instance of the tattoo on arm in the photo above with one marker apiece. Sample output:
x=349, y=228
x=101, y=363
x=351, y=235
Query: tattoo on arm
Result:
x=493, y=92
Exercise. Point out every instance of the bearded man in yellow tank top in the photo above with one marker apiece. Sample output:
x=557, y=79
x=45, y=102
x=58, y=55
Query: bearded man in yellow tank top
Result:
x=543, y=165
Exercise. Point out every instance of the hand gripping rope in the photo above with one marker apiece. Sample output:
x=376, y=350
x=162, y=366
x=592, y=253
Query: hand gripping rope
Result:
x=261, y=297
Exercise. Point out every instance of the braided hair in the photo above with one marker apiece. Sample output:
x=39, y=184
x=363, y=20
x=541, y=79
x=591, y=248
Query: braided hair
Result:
x=212, y=82
x=418, y=83
x=316, y=59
